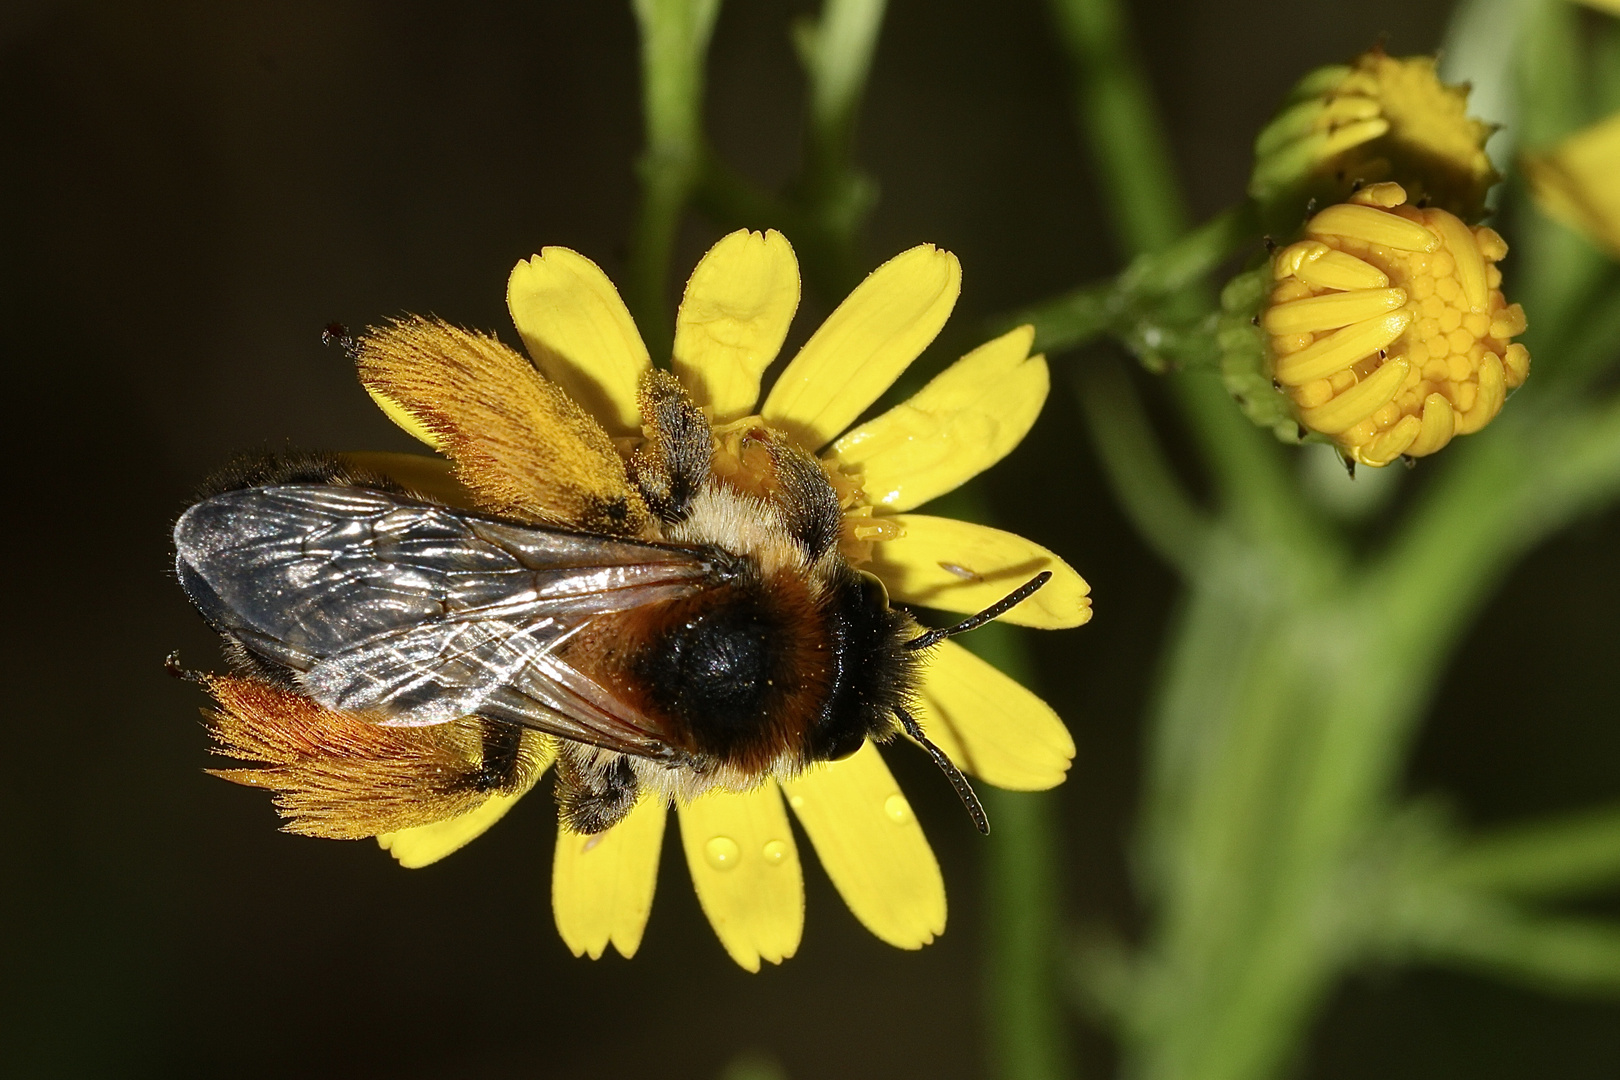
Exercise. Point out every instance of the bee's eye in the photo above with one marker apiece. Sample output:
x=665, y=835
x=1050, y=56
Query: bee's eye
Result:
x=873, y=595
x=845, y=744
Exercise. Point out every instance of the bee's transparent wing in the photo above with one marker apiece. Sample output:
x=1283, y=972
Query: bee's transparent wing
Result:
x=419, y=613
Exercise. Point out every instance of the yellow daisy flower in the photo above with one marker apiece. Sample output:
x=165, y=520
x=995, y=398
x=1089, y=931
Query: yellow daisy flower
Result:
x=1387, y=327
x=740, y=848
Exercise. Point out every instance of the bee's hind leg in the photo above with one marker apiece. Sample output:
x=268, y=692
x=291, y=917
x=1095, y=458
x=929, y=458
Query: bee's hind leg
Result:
x=674, y=465
x=595, y=788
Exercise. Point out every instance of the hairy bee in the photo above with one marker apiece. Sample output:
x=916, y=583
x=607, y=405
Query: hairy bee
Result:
x=673, y=628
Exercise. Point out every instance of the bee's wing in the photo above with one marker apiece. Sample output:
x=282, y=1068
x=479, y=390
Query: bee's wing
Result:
x=421, y=613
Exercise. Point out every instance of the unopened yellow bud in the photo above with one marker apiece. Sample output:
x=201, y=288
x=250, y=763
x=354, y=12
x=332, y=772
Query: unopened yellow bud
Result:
x=1378, y=119
x=1387, y=330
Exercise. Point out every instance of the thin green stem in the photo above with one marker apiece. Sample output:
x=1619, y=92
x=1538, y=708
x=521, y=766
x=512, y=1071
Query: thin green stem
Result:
x=1138, y=181
x=826, y=206
x=1138, y=473
x=1594, y=346
x=1480, y=48
x=674, y=43
x=1557, y=269
x=1132, y=303
x=1526, y=478
x=836, y=51
x=1021, y=894
x=1023, y=1015
x=1253, y=476
x=1559, y=955
x=832, y=196
x=1115, y=106
x=1563, y=857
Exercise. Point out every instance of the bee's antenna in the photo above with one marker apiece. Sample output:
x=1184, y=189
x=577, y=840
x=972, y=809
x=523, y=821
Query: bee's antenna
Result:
x=995, y=610
x=964, y=790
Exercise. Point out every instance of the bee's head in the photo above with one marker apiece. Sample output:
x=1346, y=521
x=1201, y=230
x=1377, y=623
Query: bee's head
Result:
x=875, y=657
x=874, y=674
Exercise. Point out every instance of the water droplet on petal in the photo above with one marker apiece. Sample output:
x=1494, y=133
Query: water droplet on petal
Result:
x=722, y=853
x=897, y=809
x=775, y=852
x=591, y=841
x=796, y=801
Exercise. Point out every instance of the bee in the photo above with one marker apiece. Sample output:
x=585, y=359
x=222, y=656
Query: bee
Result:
x=673, y=626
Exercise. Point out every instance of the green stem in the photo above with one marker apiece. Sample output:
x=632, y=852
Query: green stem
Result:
x=1138, y=473
x=1132, y=302
x=1531, y=474
x=1557, y=269
x=674, y=42
x=1592, y=346
x=827, y=205
x=836, y=51
x=1481, y=48
x=1563, y=857
x=1026, y=1040
x=1254, y=480
x=1115, y=106
x=832, y=196
x=1559, y=955
x=1023, y=1018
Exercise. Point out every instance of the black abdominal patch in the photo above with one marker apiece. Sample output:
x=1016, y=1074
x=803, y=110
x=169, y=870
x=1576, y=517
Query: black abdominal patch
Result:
x=720, y=671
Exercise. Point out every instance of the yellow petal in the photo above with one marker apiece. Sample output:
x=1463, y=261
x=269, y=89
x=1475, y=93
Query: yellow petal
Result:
x=1439, y=424
x=427, y=844
x=580, y=334
x=872, y=847
x=960, y=566
x=860, y=350
x=1334, y=269
x=1351, y=406
x=990, y=725
x=602, y=885
x=1372, y=225
x=1330, y=310
x=1332, y=353
x=964, y=421
x=404, y=420
x=738, y=304
x=1464, y=249
x=746, y=872
x=1578, y=182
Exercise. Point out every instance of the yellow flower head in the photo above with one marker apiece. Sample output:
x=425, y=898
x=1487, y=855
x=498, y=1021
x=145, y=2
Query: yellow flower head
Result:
x=1387, y=329
x=1376, y=119
x=740, y=847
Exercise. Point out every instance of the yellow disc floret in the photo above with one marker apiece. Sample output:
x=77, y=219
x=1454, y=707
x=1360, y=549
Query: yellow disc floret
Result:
x=1387, y=327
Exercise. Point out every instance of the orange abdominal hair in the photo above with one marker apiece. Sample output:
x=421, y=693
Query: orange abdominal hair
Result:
x=1387, y=327
x=341, y=777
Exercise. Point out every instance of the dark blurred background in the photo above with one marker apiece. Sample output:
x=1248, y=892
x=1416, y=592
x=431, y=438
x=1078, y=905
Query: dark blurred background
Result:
x=189, y=191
